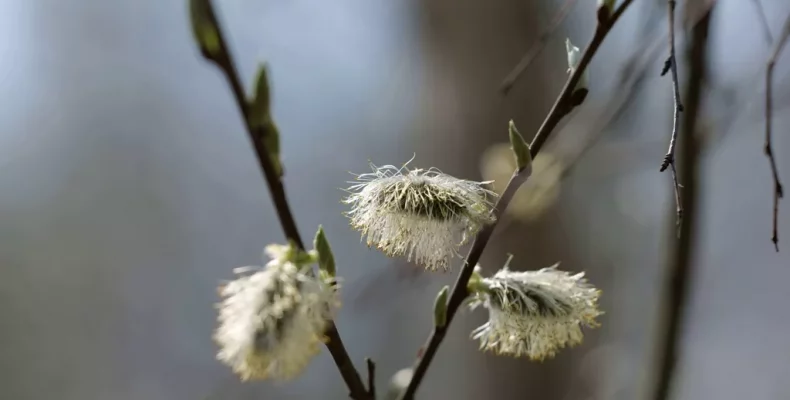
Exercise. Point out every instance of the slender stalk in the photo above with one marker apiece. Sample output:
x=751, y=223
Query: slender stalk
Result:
x=334, y=343
x=769, y=151
x=681, y=267
x=562, y=106
x=671, y=65
x=371, y=377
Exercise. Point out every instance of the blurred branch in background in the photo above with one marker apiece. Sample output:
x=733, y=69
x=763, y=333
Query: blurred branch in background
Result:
x=537, y=47
x=758, y=5
x=632, y=75
x=680, y=274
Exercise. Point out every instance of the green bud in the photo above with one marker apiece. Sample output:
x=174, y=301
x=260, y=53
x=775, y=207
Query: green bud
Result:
x=326, y=260
x=440, y=308
x=520, y=147
x=260, y=118
x=260, y=106
x=204, y=27
x=476, y=284
x=271, y=139
x=303, y=258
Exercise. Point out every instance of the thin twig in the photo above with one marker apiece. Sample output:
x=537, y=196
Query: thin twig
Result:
x=537, y=47
x=671, y=66
x=626, y=90
x=632, y=75
x=562, y=106
x=680, y=273
x=758, y=5
x=225, y=62
x=371, y=378
x=769, y=151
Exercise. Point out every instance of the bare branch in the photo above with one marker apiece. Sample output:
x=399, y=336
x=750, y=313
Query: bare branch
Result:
x=371, y=378
x=671, y=66
x=681, y=268
x=769, y=151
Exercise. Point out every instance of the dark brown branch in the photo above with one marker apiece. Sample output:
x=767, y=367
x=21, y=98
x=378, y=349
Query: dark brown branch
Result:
x=562, y=106
x=537, y=47
x=769, y=151
x=225, y=62
x=371, y=378
x=671, y=66
x=680, y=274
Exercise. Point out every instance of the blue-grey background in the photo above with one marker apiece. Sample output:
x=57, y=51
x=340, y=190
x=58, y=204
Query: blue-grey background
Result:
x=128, y=190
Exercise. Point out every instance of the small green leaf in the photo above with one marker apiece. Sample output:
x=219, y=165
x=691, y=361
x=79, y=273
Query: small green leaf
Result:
x=326, y=260
x=204, y=28
x=519, y=146
x=440, y=308
x=259, y=117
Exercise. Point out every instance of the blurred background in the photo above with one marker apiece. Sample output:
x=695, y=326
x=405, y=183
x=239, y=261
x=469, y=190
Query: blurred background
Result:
x=129, y=190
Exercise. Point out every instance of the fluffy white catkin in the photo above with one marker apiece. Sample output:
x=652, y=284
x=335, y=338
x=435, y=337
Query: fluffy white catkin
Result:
x=534, y=313
x=272, y=319
x=424, y=215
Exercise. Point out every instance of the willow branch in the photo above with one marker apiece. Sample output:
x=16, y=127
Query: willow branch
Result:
x=371, y=377
x=562, y=106
x=671, y=66
x=769, y=151
x=681, y=267
x=225, y=62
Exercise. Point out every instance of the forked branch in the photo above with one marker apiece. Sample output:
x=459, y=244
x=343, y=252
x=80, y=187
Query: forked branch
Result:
x=562, y=106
